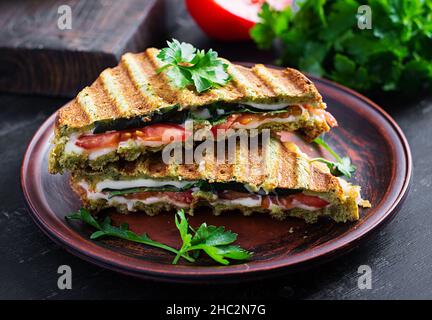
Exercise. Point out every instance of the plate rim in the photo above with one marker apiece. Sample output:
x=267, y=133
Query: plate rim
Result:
x=104, y=257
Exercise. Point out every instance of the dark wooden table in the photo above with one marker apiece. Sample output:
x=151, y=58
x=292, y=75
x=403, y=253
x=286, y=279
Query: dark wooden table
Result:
x=400, y=254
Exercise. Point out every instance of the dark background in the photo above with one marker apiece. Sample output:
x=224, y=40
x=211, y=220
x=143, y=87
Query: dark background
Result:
x=400, y=254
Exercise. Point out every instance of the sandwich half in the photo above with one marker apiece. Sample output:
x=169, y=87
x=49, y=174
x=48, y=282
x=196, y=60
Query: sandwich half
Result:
x=277, y=179
x=132, y=109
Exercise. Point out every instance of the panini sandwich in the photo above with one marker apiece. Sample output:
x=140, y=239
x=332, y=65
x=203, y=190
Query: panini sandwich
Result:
x=113, y=136
x=129, y=110
x=281, y=181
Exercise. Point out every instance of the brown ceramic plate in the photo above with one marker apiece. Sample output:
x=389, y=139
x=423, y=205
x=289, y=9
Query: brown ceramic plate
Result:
x=366, y=133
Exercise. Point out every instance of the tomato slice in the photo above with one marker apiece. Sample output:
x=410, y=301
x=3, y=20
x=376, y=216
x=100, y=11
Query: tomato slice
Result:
x=226, y=125
x=265, y=202
x=248, y=118
x=253, y=118
x=181, y=197
x=287, y=202
x=311, y=201
x=330, y=119
x=98, y=141
x=232, y=195
x=141, y=195
x=162, y=132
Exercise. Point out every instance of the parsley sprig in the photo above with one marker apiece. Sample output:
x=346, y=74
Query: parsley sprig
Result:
x=214, y=241
x=106, y=229
x=185, y=65
x=341, y=167
x=324, y=38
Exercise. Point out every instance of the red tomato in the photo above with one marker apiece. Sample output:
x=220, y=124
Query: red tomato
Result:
x=265, y=203
x=247, y=118
x=225, y=19
x=311, y=201
x=162, y=132
x=285, y=202
x=232, y=195
x=182, y=197
x=229, y=20
x=98, y=141
x=156, y=132
x=141, y=195
x=226, y=125
x=330, y=119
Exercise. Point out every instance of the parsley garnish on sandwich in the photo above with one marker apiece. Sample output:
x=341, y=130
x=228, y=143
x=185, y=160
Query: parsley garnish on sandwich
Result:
x=185, y=65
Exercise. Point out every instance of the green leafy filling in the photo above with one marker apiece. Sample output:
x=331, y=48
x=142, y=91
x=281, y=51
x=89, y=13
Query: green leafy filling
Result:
x=218, y=112
x=202, y=185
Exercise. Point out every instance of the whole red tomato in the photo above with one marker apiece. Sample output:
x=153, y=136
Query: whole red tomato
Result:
x=229, y=20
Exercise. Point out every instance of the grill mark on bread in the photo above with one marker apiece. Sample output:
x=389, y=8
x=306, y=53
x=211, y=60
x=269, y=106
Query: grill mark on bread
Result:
x=268, y=79
x=140, y=78
x=85, y=101
x=287, y=175
x=250, y=84
x=272, y=153
x=113, y=89
x=72, y=113
x=292, y=78
x=103, y=100
x=158, y=82
x=129, y=91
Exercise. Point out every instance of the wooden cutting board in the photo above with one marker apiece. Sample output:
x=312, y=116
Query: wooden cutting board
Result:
x=44, y=50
